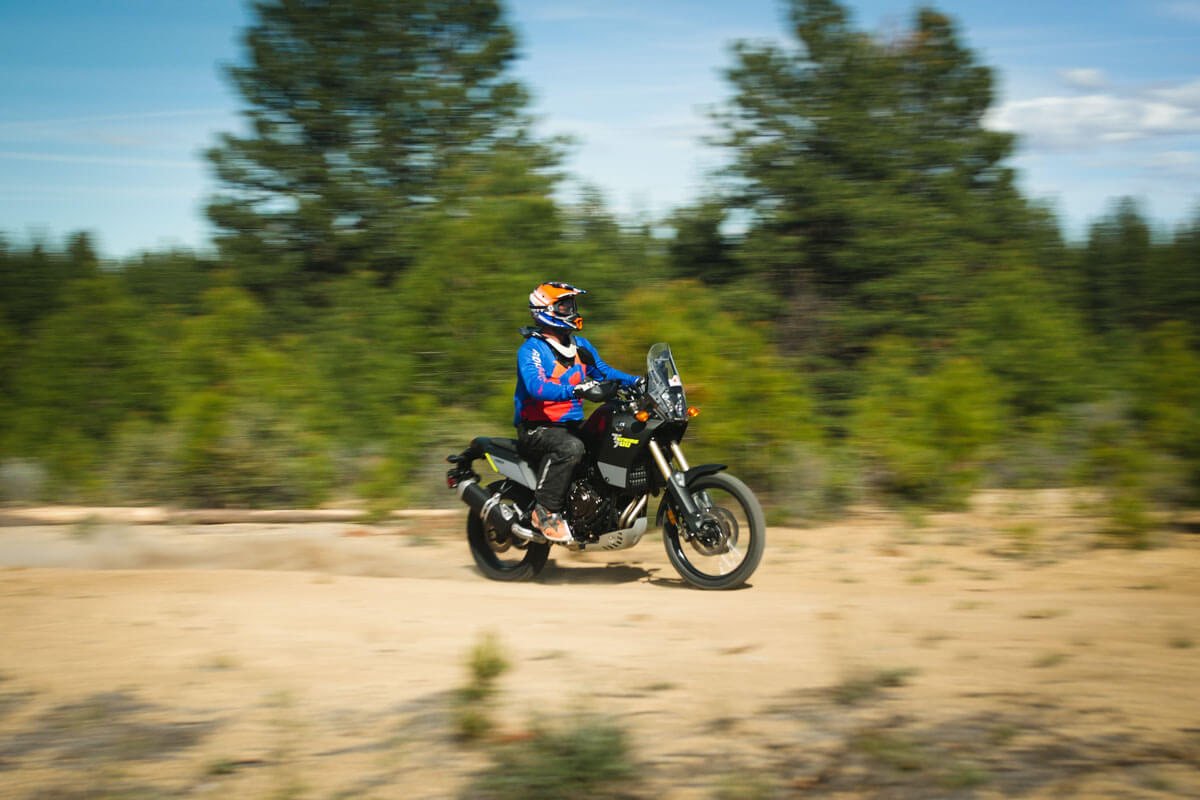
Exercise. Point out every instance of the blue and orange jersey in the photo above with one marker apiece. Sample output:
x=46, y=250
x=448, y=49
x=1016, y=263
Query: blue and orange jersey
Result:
x=546, y=383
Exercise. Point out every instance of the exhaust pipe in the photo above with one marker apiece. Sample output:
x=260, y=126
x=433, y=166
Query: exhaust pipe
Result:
x=501, y=517
x=632, y=511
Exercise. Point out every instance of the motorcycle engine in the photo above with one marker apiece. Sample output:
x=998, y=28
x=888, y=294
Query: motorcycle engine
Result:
x=591, y=512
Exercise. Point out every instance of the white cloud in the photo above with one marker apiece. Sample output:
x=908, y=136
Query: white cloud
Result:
x=1175, y=165
x=1186, y=10
x=62, y=121
x=26, y=190
x=585, y=12
x=116, y=161
x=1085, y=78
x=1081, y=123
x=1187, y=95
x=1171, y=159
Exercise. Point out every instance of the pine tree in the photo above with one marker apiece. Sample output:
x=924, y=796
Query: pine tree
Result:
x=699, y=248
x=872, y=186
x=1116, y=272
x=363, y=114
x=32, y=279
x=1178, y=289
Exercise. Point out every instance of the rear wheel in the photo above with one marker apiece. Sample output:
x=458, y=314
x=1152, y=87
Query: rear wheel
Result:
x=727, y=549
x=503, y=557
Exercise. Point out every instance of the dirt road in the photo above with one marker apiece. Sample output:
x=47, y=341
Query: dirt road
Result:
x=995, y=653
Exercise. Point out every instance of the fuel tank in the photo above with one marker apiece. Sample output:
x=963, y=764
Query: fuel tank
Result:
x=617, y=440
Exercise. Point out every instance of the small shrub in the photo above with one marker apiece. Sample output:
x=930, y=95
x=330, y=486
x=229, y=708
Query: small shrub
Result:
x=861, y=687
x=744, y=786
x=659, y=686
x=1002, y=734
x=898, y=752
x=221, y=766
x=915, y=518
x=1050, y=660
x=963, y=775
x=589, y=757
x=87, y=528
x=1022, y=541
x=287, y=737
x=486, y=663
x=894, y=677
x=1044, y=613
x=1157, y=782
x=1117, y=463
x=818, y=483
x=1129, y=522
x=221, y=661
x=471, y=720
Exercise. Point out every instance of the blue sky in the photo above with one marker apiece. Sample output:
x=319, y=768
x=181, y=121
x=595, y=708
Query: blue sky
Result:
x=107, y=105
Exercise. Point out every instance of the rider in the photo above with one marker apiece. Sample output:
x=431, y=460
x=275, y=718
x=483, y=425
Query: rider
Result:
x=556, y=370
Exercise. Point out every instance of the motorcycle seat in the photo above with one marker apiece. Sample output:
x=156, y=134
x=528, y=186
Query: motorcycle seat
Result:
x=505, y=457
x=492, y=444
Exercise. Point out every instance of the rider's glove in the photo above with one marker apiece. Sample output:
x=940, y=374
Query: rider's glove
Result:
x=596, y=391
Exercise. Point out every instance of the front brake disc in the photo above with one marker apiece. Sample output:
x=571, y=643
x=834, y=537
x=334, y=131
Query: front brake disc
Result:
x=725, y=537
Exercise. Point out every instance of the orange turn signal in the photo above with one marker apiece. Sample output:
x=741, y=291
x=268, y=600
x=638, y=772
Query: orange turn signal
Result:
x=693, y=411
x=642, y=416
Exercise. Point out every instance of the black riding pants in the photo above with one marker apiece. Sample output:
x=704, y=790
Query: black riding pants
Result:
x=554, y=451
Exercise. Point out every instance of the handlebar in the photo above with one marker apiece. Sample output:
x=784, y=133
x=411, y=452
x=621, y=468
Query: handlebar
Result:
x=631, y=396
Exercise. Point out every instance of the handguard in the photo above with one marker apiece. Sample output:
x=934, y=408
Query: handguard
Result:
x=597, y=391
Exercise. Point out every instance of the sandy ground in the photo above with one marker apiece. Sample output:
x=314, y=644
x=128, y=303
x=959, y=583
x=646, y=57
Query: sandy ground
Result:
x=992, y=653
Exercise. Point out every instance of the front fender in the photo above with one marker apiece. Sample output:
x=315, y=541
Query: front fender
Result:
x=689, y=477
x=692, y=474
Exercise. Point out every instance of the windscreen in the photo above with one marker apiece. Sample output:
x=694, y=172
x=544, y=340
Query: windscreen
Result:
x=663, y=382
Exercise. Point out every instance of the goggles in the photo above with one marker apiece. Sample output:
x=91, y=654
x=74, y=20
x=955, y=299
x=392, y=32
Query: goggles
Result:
x=565, y=307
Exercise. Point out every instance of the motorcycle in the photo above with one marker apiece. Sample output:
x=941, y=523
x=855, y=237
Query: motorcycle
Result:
x=713, y=526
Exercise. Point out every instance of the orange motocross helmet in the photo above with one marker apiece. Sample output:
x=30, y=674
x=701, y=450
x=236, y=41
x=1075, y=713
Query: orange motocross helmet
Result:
x=553, y=304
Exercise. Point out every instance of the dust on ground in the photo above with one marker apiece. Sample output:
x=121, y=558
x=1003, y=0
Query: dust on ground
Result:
x=992, y=653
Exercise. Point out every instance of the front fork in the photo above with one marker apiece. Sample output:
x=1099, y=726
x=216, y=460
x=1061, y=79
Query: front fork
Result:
x=676, y=486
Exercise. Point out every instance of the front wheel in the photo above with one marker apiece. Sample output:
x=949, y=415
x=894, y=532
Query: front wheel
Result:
x=727, y=549
x=503, y=557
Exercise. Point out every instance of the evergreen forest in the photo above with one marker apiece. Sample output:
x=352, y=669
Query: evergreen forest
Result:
x=863, y=304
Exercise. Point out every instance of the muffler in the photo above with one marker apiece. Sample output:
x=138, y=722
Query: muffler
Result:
x=501, y=517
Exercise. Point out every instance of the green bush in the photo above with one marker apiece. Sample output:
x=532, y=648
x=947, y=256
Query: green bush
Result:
x=1166, y=399
x=756, y=407
x=228, y=453
x=1116, y=463
x=814, y=482
x=924, y=434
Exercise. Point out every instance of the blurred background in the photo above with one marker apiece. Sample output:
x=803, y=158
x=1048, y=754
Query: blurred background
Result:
x=862, y=300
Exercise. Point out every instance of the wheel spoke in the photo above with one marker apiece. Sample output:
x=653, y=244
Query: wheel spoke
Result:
x=734, y=520
x=731, y=560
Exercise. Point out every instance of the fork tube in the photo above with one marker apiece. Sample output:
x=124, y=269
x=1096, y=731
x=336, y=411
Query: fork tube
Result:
x=661, y=460
x=692, y=518
x=679, y=459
